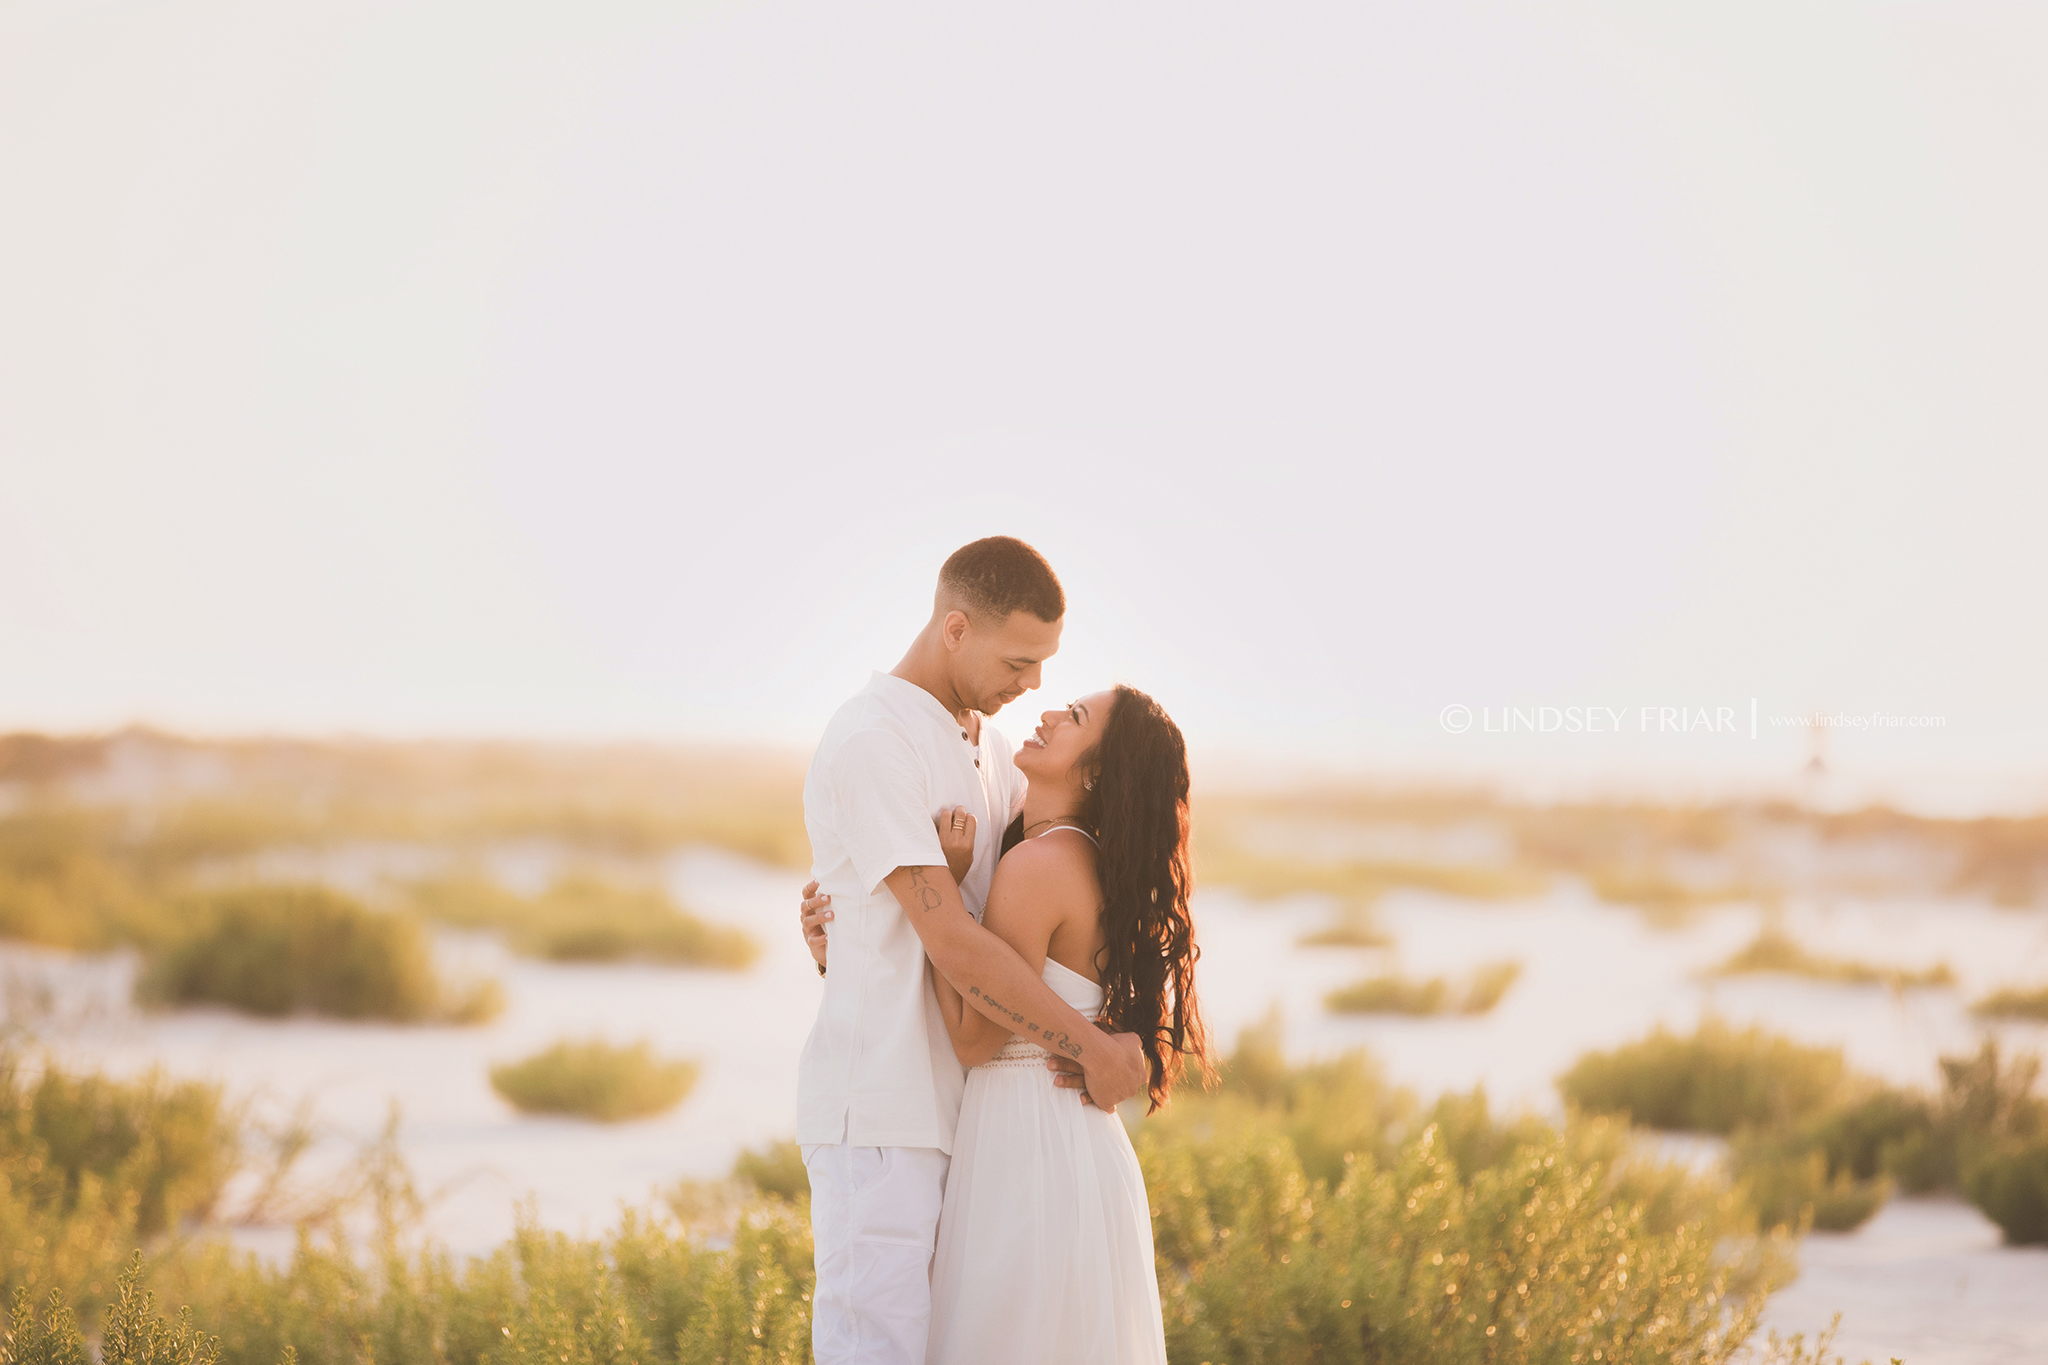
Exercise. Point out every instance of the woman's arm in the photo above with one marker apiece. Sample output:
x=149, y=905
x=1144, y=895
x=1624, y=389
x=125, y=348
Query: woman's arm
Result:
x=1034, y=890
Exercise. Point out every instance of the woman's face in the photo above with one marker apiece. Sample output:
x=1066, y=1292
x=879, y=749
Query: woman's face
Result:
x=1064, y=738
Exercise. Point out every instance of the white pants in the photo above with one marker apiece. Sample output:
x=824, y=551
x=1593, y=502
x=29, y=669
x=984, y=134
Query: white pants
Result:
x=874, y=1223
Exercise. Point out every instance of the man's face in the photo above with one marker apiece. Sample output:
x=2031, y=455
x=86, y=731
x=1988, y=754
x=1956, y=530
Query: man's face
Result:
x=994, y=663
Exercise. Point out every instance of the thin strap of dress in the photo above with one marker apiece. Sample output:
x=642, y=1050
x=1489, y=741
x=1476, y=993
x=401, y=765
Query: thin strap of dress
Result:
x=1078, y=830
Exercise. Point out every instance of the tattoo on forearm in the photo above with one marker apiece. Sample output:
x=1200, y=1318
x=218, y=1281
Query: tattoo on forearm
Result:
x=927, y=895
x=1059, y=1040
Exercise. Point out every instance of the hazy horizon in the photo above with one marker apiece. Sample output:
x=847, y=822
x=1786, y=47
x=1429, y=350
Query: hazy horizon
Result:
x=439, y=370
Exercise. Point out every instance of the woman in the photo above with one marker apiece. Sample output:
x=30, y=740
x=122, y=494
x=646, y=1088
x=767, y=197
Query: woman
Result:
x=1045, y=1242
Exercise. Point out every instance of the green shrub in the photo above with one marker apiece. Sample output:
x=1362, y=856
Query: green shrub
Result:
x=581, y=919
x=1774, y=950
x=1315, y=1213
x=1812, y=1143
x=1663, y=900
x=1393, y=993
x=1329, y=1110
x=2013, y=1002
x=1302, y=1213
x=648, y=1292
x=1789, y=1183
x=133, y=1334
x=1882, y=1132
x=1543, y=1255
x=595, y=1080
x=1488, y=984
x=275, y=950
x=90, y=1166
x=1715, y=1081
x=1351, y=927
x=64, y=882
x=167, y=1147
x=1265, y=876
x=1989, y=1104
x=2011, y=1187
x=777, y=1170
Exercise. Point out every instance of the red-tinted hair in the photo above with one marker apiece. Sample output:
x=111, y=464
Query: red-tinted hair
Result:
x=1139, y=808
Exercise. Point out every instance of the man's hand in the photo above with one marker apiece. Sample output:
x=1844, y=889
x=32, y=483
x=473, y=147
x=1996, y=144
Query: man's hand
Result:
x=815, y=910
x=1120, y=1071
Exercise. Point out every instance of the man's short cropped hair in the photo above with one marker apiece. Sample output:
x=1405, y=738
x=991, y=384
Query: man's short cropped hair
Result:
x=1001, y=574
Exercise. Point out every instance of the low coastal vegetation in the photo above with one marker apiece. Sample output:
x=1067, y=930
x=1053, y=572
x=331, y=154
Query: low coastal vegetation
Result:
x=1269, y=876
x=776, y=1170
x=585, y=919
x=1774, y=950
x=220, y=799
x=277, y=950
x=1317, y=1213
x=1716, y=1080
x=1664, y=900
x=594, y=1079
x=1303, y=1213
x=145, y=1149
x=2014, y=1002
x=1811, y=1140
x=1392, y=993
x=1352, y=926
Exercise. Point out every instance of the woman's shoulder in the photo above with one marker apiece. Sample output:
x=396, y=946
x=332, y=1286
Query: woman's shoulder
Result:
x=1062, y=858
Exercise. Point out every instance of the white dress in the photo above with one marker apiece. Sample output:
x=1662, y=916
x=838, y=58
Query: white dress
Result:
x=1045, y=1241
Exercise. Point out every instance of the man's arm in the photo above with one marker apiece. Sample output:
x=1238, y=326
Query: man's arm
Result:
x=994, y=980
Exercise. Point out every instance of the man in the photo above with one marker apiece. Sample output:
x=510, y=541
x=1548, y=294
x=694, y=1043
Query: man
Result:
x=879, y=1088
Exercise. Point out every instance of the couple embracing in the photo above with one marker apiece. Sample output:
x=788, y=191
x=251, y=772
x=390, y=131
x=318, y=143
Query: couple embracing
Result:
x=1008, y=955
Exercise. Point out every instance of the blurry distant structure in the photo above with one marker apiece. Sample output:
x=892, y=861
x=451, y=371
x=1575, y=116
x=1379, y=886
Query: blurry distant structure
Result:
x=1817, y=744
x=1816, y=781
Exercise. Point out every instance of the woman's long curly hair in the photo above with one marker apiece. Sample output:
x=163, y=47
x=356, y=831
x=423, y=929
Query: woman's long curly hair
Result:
x=1139, y=809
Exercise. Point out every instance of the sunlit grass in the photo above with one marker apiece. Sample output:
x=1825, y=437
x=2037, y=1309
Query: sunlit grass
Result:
x=2014, y=1002
x=1352, y=926
x=1713, y=1081
x=583, y=919
x=1267, y=876
x=1774, y=950
x=1393, y=993
x=1811, y=1142
x=64, y=883
x=168, y=1146
x=595, y=1080
x=1315, y=1213
x=1301, y=1213
x=278, y=950
x=777, y=1169
x=1791, y=1182
x=1663, y=899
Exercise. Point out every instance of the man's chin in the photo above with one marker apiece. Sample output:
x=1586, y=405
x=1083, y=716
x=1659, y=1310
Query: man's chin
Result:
x=995, y=704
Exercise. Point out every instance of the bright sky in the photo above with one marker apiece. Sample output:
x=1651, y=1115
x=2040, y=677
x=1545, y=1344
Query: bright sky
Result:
x=627, y=369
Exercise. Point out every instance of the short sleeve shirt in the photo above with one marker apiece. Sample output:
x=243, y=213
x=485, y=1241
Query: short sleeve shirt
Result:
x=878, y=1069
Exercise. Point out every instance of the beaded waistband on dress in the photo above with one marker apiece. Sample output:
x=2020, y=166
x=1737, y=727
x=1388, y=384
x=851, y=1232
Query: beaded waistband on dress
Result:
x=1017, y=1053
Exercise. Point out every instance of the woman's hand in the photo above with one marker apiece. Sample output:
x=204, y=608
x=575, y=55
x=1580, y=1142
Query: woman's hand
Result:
x=956, y=837
x=816, y=910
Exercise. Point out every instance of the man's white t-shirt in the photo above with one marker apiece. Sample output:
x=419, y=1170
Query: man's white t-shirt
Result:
x=878, y=1069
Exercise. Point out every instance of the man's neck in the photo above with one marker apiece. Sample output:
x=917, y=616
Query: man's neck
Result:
x=924, y=666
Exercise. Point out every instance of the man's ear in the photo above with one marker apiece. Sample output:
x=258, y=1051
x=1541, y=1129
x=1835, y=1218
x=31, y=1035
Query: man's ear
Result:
x=954, y=628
